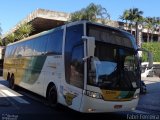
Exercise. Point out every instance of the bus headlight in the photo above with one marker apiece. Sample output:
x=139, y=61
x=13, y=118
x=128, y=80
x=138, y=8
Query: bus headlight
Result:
x=93, y=94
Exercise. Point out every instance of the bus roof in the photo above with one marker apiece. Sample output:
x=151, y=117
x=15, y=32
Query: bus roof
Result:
x=68, y=25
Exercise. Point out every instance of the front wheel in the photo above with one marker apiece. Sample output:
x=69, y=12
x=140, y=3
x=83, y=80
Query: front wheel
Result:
x=52, y=96
x=11, y=82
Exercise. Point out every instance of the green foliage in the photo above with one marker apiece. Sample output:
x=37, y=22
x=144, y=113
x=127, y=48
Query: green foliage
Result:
x=154, y=47
x=132, y=15
x=151, y=24
x=125, y=16
x=1, y=43
x=24, y=30
x=10, y=38
x=92, y=13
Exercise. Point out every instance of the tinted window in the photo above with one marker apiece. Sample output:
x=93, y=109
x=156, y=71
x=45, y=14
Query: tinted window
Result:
x=73, y=37
x=8, y=51
x=13, y=50
x=40, y=45
x=77, y=67
x=29, y=48
x=20, y=49
x=54, y=45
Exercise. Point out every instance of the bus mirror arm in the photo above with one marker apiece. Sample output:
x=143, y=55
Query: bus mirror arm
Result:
x=86, y=58
x=90, y=45
x=150, y=57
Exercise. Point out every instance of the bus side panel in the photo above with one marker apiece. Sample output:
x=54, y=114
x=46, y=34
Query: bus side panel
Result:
x=33, y=74
x=54, y=72
x=8, y=65
x=21, y=66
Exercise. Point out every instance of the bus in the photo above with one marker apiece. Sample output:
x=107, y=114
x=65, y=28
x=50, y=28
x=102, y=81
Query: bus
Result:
x=86, y=66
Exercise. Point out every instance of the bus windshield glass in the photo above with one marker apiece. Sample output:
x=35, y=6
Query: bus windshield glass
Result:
x=115, y=64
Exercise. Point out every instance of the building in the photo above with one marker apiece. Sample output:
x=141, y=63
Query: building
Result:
x=42, y=20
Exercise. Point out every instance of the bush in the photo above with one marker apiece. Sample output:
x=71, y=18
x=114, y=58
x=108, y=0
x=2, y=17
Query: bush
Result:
x=154, y=47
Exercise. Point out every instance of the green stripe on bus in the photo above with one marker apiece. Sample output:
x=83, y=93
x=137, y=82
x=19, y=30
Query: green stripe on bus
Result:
x=35, y=66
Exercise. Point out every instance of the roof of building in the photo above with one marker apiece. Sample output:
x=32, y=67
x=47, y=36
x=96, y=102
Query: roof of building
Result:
x=42, y=20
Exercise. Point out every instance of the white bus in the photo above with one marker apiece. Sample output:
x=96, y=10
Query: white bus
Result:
x=86, y=66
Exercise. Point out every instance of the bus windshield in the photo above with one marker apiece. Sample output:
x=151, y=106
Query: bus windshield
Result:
x=113, y=67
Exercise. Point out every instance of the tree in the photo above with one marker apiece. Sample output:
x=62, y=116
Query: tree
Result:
x=1, y=43
x=92, y=13
x=132, y=15
x=151, y=24
x=135, y=16
x=125, y=16
x=24, y=30
x=156, y=25
x=148, y=26
x=154, y=48
x=10, y=38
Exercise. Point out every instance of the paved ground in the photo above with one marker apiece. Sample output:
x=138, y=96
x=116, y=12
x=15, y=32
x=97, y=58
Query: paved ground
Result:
x=149, y=104
x=150, y=101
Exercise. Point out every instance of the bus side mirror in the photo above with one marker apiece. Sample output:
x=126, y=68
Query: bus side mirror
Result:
x=150, y=59
x=90, y=45
x=149, y=55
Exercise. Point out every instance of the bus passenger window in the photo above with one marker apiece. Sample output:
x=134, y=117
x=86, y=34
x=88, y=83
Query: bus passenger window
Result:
x=40, y=45
x=54, y=45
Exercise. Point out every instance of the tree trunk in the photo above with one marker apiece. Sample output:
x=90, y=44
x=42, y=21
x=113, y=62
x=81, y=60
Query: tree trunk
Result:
x=131, y=29
x=152, y=36
x=148, y=37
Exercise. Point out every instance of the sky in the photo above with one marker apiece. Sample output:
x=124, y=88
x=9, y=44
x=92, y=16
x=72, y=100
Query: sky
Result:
x=13, y=11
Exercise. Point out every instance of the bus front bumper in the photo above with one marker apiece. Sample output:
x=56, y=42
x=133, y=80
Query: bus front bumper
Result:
x=93, y=105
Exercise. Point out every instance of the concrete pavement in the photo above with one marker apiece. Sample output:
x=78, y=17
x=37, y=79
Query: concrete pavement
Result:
x=151, y=100
x=3, y=100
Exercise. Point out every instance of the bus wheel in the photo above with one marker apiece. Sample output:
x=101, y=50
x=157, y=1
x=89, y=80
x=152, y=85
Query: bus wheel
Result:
x=52, y=96
x=11, y=82
x=8, y=76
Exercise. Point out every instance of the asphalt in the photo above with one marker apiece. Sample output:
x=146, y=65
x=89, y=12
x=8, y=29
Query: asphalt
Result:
x=4, y=102
x=151, y=100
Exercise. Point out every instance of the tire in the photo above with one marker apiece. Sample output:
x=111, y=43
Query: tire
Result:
x=143, y=89
x=11, y=82
x=52, y=97
x=8, y=76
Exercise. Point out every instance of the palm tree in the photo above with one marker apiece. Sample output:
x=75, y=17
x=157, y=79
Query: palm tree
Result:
x=154, y=22
x=10, y=38
x=151, y=24
x=24, y=30
x=135, y=16
x=148, y=26
x=1, y=42
x=158, y=28
x=125, y=16
x=92, y=13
